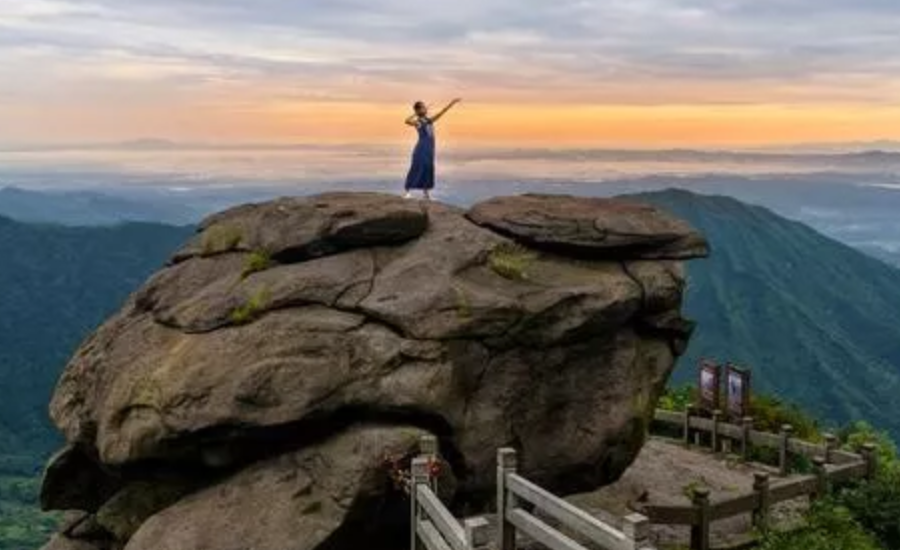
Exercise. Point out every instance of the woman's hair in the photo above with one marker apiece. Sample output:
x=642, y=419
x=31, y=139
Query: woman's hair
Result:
x=418, y=105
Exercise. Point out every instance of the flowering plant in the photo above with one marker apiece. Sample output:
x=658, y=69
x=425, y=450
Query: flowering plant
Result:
x=401, y=476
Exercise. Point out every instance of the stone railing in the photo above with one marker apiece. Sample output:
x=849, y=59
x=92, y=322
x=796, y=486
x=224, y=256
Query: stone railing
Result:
x=518, y=502
x=830, y=466
x=433, y=527
x=513, y=489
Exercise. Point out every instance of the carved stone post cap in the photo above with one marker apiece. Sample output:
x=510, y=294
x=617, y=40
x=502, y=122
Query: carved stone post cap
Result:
x=428, y=445
x=477, y=532
x=507, y=458
x=420, y=468
x=636, y=527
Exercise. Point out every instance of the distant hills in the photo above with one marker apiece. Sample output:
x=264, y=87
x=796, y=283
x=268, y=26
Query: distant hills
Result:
x=86, y=208
x=165, y=144
x=818, y=321
x=57, y=285
x=889, y=256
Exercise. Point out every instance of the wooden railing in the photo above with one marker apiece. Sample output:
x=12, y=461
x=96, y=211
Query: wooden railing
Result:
x=830, y=466
x=513, y=518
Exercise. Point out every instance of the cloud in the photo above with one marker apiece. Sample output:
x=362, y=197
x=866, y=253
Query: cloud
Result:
x=640, y=52
x=581, y=42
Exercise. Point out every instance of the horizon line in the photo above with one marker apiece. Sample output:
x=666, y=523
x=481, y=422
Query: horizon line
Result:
x=826, y=147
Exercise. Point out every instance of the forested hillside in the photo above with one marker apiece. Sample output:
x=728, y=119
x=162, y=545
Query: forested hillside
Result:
x=56, y=285
x=818, y=321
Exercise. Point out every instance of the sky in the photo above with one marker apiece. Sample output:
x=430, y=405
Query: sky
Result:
x=624, y=73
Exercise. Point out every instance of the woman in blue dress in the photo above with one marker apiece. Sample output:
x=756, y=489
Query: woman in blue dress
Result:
x=421, y=173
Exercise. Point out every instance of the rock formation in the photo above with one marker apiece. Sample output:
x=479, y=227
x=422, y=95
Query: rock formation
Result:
x=247, y=395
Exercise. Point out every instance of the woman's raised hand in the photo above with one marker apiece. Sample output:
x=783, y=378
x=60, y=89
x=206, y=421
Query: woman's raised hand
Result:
x=438, y=116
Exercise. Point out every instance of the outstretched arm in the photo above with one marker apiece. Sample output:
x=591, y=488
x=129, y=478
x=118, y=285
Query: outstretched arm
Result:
x=443, y=111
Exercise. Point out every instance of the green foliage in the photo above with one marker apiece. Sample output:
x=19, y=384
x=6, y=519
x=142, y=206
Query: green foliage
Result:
x=819, y=322
x=829, y=527
x=463, y=303
x=858, y=434
x=58, y=284
x=258, y=260
x=250, y=311
x=858, y=517
x=876, y=506
x=678, y=399
x=22, y=525
x=771, y=413
x=511, y=261
x=876, y=503
x=221, y=238
x=690, y=489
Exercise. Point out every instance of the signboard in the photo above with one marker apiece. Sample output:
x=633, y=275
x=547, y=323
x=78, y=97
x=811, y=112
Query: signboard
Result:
x=710, y=385
x=737, y=387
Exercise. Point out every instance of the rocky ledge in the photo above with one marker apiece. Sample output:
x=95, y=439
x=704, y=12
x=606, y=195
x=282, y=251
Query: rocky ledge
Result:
x=247, y=396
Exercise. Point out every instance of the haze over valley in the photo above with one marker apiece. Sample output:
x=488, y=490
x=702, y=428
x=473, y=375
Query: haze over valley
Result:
x=846, y=191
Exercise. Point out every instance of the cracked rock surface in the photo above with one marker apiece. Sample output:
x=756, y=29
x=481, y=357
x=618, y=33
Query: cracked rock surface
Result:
x=246, y=396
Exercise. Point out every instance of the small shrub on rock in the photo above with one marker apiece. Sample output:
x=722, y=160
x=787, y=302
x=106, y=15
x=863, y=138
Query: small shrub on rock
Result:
x=259, y=260
x=511, y=261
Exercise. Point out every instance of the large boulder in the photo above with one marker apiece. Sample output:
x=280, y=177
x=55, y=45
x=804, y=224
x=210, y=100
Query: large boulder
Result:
x=292, y=344
x=305, y=498
x=595, y=228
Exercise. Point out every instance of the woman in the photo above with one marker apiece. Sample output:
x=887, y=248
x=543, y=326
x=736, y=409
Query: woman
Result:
x=421, y=173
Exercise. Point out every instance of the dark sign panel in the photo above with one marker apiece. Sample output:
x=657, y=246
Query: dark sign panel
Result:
x=710, y=384
x=737, y=384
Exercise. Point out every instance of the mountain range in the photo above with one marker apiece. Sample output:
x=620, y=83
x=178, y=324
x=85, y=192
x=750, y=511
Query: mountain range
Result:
x=816, y=320
x=165, y=144
x=89, y=208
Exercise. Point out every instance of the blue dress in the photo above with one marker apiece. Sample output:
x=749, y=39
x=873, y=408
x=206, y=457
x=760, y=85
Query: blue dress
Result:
x=421, y=173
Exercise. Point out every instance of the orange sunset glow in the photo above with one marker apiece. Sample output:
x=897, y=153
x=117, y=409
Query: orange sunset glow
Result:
x=478, y=123
x=660, y=74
